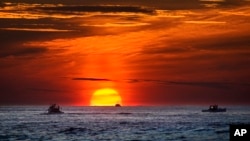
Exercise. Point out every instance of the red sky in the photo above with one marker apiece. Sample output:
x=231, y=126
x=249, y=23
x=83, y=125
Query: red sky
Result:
x=196, y=53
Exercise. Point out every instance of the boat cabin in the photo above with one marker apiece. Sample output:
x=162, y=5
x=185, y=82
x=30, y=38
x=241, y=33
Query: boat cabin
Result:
x=54, y=108
x=213, y=107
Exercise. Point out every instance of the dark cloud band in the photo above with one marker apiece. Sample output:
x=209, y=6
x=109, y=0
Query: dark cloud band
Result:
x=83, y=8
x=91, y=79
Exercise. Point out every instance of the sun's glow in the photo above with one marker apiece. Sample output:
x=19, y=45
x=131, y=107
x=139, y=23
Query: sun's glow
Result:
x=105, y=97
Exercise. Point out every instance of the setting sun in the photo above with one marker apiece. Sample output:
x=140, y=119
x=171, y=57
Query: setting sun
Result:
x=105, y=97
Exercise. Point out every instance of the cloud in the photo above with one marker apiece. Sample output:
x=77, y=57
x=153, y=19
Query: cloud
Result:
x=120, y=24
x=224, y=41
x=2, y=4
x=22, y=51
x=101, y=8
x=164, y=50
x=166, y=82
x=205, y=22
x=217, y=85
x=91, y=79
x=37, y=29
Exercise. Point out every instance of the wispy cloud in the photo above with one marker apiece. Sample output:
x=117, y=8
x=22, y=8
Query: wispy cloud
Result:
x=120, y=24
x=205, y=22
x=211, y=84
x=91, y=79
x=100, y=8
x=37, y=29
x=216, y=84
x=22, y=51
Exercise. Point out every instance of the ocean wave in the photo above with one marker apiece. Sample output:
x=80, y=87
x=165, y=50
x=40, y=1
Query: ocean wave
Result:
x=100, y=113
x=92, y=113
x=13, y=137
x=217, y=124
x=222, y=131
x=124, y=113
x=73, y=130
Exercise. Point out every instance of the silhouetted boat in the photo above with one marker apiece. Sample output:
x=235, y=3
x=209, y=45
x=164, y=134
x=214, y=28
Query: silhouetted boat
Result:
x=117, y=105
x=215, y=108
x=54, y=109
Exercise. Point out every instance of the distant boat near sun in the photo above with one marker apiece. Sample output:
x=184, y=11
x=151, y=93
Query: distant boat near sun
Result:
x=54, y=109
x=215, y=108
x=117, y=105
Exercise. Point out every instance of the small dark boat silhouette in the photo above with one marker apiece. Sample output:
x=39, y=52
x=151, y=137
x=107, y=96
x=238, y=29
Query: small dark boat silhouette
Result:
x=54, y=109
x=215, y=108
x=117, y=105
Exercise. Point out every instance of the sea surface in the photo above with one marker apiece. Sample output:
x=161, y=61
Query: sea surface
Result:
x=171, y=123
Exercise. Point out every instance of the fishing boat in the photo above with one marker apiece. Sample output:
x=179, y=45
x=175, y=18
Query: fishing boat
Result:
x=117, y=105
x=214, y=108
x=54, y=109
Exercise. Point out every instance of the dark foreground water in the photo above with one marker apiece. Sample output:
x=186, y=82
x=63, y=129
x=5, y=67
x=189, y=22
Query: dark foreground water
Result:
x=124, y=123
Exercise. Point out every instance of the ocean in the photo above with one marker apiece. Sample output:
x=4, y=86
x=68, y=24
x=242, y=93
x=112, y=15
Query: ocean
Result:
x=170, y=123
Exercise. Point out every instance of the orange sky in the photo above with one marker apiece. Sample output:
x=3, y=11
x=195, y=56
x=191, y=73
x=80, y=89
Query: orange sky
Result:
x=150, y=55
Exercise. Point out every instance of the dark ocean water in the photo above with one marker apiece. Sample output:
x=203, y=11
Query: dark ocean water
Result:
x=124, y=123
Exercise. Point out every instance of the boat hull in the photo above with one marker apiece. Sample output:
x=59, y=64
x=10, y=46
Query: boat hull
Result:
x=217, y=110
x=55, y=112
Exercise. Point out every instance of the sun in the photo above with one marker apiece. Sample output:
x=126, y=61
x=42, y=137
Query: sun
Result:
x=105, y=97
